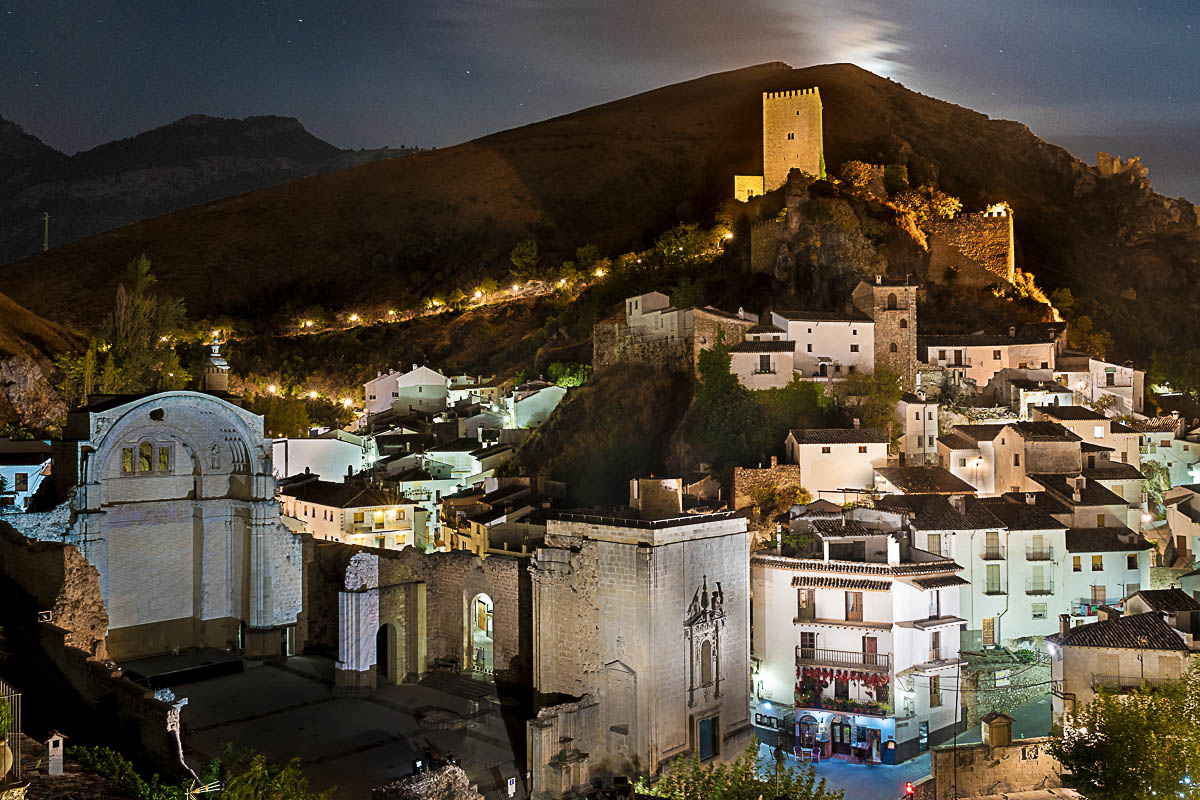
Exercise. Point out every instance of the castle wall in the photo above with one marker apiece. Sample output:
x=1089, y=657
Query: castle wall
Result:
x=979, y=248
x=706, y=326
x=614, y=343
x=747, y=186
x=792, y=135
x=764, y=245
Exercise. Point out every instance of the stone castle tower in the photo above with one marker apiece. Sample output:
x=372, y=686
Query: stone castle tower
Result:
x=793, y=137
x=214, y=377
x=893, y=306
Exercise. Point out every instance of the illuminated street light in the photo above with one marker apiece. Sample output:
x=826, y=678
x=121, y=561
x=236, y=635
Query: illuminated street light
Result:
x=729, y=236
x=354, y=317
x=391, y=312
x=308, y=323
x=345, y=402
x=272, y=389
x=516, y=287
x=312, y=395
x=478, y=294
x=599, y=273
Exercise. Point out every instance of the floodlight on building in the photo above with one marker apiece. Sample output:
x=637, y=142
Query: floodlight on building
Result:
x=562, y=281
x=162, y=338
x=1051, y=649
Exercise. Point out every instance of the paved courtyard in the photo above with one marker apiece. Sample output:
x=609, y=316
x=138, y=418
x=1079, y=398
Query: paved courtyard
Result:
x=356, y=744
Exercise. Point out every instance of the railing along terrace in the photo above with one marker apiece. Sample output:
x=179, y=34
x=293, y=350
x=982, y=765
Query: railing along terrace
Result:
x=842, y=658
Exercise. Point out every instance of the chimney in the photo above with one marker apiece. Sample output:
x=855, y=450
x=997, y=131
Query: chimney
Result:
x=920, y=394
x=1064, y=624
x=1012, y=331
x=958, y=502
x=1031, y=498
x=856, y=422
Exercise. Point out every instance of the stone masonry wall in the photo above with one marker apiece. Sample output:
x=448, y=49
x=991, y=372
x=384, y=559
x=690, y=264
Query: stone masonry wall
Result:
x=447, y=783
x=792, y=135
x=984, y=240
x=706, y=328
x=746, y=480
x=764, y=245
x=63, y=583
x=977, y=769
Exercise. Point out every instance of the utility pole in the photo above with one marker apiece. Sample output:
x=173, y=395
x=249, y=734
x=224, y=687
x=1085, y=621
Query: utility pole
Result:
x=45, y=231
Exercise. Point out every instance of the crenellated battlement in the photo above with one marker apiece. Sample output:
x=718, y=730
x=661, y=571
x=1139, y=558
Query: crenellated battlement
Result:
x=813, y=90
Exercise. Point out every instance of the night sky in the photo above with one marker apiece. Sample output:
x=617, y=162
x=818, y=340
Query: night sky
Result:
x=1086, y=74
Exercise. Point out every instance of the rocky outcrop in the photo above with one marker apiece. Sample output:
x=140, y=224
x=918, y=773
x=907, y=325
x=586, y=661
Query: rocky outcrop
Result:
x=27, y=397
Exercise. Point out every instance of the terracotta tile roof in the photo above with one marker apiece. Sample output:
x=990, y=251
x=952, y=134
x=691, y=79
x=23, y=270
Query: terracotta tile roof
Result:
x=1070, y=412
x=1089, y=447
x=839, y=435
x=941, y=582
x=843, y=528
x=1092, y=493
x=854, y=584
x=1114, y=471
x=979, y=433
x=823, y=316
x=921, y=480
x=1105, y=540
x=763, y=347
x=1138, y=632
x=858, y=567
x=1044, y=432
x=957, y=441
x=1166, y=424
x=765, y=328
x=1016, y=514
x=933, y=512
x=1174, y=599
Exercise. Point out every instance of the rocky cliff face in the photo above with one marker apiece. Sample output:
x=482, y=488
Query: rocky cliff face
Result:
x=192, y=161
x=27, y=345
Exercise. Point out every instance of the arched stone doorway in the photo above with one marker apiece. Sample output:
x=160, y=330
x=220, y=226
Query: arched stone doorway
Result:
x=481, y=657
x=386, y=656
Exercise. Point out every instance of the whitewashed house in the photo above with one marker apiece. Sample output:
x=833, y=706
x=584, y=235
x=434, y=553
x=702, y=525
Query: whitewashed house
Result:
x=833, y=460
x=1167, y=441
x=828, y=344
x=353, y=513
x=766, y=359
x=532, y=403
x=979, y=356
x=332, y=455
x=421, y=388
x=1095, y=428
x=1092, y=379
x=857, y=638
x=917, y=419
x=21, y=475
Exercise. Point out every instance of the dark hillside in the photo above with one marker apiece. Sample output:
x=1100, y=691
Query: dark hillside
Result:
x=619, y=173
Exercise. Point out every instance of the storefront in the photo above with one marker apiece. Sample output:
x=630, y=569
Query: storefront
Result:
x=854, y=737
x=773, y=724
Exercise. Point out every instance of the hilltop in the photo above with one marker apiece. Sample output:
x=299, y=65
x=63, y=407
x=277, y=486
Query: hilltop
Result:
x=191, y=161
x=617, y=174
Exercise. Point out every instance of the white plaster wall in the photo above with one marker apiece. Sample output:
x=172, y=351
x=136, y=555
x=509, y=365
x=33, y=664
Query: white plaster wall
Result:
x=328, y=458
x=830, y=339
x=844, y=467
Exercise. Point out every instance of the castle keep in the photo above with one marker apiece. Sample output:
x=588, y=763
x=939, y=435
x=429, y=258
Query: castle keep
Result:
x=975, y=249
x=792, y=139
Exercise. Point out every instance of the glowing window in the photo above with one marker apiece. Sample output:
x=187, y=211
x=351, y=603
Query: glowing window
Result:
x=145, y=454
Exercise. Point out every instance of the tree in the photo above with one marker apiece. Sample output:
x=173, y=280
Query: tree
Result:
x=568, y=374
x=895, y=178
x=286, y=417
x=725, y=418
x=748, y=777
x=139, y=330
x=927, y=203
x=856, y=174
x=869, y=398
x=1083, y=334
x=1136, y=746
x=524, y=259
x=1158, y=480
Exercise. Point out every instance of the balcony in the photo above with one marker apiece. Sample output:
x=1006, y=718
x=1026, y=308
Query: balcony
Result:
x=995, y=553
x=814, y=701
x=1044, y=553
x=1086, y=606
x=1036, y=587
x=995, y=589
x=816, y=656
x=763, y=372
x=1124, y=684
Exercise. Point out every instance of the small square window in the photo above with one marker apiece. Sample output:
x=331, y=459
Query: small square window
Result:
x=1097, y=563
x=1076, y=564
x=962, y=462
x=825, y=450
x=1131, y=561
x=853, y=348
x=1039, y=610
x=995, y=355
x=862, y=448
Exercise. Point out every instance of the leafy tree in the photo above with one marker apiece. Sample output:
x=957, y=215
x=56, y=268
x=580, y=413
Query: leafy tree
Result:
x=249, y=776
x=869, y=398
x=856, y=174
x=1136, y=746
x=1083, y=334
x=136, y=329
x=895, y=178
x=1158, y=480
x=927, y=203
x=1064, y=302
x=724, y=416
x=748, y=777
x=286, y=417
x=569, y=373
x=524, y=259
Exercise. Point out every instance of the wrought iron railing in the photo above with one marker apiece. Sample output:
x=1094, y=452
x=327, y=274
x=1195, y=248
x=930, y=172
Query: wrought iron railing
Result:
x=1043, y=586
x=1043, y=553
x=10, y=716
x=1123, y=684
x=842, y=658
x=994, y=553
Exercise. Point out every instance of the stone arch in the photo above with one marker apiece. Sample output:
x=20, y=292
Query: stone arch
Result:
x=903, y=322
x=891, y=301
x=387, y=655
x=476, y=583
x=893, y=348
x=481, y=634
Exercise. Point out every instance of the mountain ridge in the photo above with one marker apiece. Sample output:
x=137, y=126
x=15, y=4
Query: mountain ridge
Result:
x=617, y=174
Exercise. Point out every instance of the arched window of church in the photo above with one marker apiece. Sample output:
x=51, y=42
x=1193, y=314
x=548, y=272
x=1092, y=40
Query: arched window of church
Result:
x=892, y=347
x=903, y=323
x=164, y=458
x=145, y=454
x=706, y=663
x=891, y=301
x=127, y=460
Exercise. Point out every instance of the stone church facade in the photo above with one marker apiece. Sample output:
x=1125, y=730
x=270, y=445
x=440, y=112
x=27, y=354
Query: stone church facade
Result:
x=655, y=645
x=172, y=500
